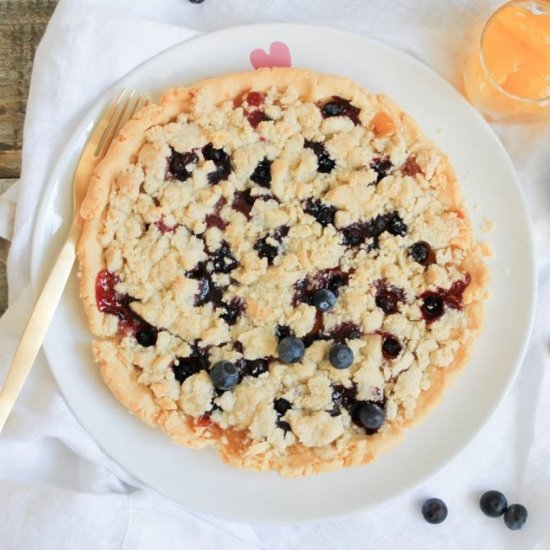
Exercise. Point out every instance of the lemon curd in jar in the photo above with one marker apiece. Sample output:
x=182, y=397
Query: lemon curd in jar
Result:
x=508, y=73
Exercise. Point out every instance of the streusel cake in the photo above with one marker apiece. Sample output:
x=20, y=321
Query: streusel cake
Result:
x=279, y=264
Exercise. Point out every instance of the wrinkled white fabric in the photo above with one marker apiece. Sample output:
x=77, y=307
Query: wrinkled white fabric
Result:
x=57, y=488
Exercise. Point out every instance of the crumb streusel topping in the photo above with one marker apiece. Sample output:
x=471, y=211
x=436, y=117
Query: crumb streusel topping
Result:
x=214, y=226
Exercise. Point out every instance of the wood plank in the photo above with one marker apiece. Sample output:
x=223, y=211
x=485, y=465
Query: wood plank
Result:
x=4, y=246
x=22, y=24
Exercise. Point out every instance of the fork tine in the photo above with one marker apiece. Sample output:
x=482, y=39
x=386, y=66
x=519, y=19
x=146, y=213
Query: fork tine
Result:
x=112, y=116
x=114, y=124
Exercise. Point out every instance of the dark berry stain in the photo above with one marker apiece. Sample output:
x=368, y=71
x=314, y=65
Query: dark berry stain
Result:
x=323, y=213
x=110, y=301
x=243, y=201
x=267, y=249
x=434, y=302
x=163, y=228
x=338, y=106
x=178, y=163
x=184, y=367
x=411, y=168
x=387, y=298
x=262, y=173
x=382, y=167
x=232, y=310
x=325, y=164
x=221, y=161
x=214, y=219
x=208, y=291
x=222, y=259
x=332, y=279
x=253, y=367
x=255, y=117
x=282, y=331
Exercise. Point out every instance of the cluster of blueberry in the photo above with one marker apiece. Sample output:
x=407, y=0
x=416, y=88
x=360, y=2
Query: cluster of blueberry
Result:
x=492, y=504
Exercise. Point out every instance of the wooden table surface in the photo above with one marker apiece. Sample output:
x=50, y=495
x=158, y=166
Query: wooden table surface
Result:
x=22, y=23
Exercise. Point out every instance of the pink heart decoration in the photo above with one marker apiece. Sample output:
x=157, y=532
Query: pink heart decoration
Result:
x=278, y=56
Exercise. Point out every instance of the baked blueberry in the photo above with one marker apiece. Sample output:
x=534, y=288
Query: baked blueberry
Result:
x=387, y=302
x=262, y=173
x=324, y=299
x=147, y=336
x=434, y=511
x=432, y=306
x=493, y=504
x=382, y=167
x=420, y=252
x=515, y=516
x=224, y=375
x=391, y=347
x=290, y=349
x=340, y=356
x=372, y=415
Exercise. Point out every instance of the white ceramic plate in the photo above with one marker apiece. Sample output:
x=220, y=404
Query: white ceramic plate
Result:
x=198, y=479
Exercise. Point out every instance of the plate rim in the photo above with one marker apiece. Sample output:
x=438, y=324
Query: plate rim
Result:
x=80, y=133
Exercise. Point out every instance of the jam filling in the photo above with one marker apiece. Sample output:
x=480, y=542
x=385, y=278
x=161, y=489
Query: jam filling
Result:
x=357, y=233
x=332, y=279
x=163, y=228
x=214, y=219
x=113, y=302
x=411, y=168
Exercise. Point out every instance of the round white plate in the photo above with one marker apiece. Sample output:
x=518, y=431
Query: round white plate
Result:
x=198, y=479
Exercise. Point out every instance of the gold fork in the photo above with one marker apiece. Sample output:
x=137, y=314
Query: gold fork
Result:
x=106, y=128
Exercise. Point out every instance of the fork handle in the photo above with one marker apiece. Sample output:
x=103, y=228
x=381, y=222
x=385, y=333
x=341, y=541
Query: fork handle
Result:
x=37, y=325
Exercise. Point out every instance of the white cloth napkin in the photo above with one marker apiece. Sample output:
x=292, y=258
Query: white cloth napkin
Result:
x=59, y=491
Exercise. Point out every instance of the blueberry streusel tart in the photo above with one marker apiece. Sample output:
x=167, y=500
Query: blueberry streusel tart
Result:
x=279, y=264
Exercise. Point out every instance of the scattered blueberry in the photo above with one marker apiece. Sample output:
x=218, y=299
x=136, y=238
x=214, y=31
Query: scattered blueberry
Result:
x=434, y=511
x=420, y=252
x=262, y=173
x=493, y=504
x=332, y=109
x=340, y=356
x=391, y=347
x=324, y=299
x=290, y=349
x=515, y=516
x=432, y=307
x=323, y=213
x=372, y=415
x=147, y=336
x=224, y=375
